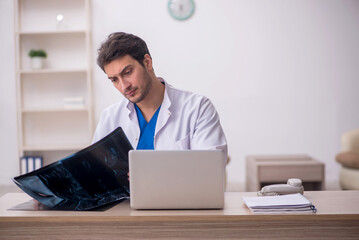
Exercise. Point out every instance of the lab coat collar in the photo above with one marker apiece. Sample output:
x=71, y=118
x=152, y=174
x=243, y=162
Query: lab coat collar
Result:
x=131, y=109
x=165, y=112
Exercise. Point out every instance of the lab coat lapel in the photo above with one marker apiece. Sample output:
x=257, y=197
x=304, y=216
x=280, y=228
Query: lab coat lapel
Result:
x=164, y=113
x=133, y=131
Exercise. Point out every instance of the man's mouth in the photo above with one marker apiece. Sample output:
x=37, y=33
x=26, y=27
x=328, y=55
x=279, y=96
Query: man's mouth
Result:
x=130, y=93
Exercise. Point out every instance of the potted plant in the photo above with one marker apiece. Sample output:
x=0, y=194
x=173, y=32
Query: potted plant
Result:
x=37, y=58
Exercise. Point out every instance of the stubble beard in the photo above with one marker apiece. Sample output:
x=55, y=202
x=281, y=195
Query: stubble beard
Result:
x=146, y=89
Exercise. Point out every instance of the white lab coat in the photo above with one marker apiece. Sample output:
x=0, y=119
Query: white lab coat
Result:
x=185, y=121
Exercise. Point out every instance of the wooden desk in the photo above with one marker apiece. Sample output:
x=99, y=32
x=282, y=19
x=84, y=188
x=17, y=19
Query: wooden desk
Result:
x=337, y=218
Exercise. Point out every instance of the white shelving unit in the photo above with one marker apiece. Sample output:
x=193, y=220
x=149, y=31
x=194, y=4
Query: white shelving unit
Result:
x=47, y=126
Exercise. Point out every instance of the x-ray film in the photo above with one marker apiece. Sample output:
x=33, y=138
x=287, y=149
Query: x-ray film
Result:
x=91, y=178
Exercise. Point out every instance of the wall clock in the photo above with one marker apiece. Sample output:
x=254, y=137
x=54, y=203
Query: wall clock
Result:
x=181, y=9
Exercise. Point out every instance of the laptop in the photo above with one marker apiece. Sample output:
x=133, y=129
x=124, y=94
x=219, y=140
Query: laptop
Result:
x=172, y=179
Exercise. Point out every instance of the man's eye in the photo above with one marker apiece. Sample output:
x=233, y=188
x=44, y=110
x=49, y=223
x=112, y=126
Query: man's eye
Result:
x=127, y=72
x=113, y=80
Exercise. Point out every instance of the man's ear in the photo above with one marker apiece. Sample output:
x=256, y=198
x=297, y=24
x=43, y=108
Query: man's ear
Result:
x=147, y=61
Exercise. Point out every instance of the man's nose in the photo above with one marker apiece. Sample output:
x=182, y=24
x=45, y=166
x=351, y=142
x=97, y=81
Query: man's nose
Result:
x=124, y=84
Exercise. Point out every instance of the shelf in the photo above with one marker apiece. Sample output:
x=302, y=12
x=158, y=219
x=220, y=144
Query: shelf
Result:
x=53, y=32
x=54, y=104
x=41, y=15
x=64, y=51
x=53, y=110
x=53, y=70
x=48, y=90
x=55, y=148
x=64, y=128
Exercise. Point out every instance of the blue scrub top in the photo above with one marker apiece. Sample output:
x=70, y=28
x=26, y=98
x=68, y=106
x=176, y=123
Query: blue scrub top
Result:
x=147, y=129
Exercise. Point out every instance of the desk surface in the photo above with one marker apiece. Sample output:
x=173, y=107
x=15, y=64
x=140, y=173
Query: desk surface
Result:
x=338, y=213
x=326, y=202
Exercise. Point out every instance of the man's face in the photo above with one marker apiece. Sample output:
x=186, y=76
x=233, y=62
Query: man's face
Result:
x=130, y=77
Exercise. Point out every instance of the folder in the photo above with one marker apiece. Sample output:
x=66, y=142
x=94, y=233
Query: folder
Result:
x=30, y=163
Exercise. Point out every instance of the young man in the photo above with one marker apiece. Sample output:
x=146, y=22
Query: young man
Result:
x=153, y=114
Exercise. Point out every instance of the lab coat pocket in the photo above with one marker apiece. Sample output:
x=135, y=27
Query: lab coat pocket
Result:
x=183, y=144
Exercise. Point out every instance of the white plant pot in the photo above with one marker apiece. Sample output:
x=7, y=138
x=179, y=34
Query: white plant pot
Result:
x=37, y=62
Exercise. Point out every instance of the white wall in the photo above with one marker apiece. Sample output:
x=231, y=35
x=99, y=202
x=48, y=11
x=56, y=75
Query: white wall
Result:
x=283, y=74
x=9, y=163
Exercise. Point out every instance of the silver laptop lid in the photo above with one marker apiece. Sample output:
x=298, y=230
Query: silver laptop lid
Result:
x=171, y=179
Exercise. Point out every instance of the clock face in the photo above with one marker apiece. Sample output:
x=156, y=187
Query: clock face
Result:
x=181, y=9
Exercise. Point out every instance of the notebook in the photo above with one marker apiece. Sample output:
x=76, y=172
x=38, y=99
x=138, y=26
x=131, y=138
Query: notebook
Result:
x=290, y=203
x=172, y=179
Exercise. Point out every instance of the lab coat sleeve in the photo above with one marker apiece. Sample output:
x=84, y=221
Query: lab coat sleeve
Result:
x=99, y=132
x=106, y=124
x=208, y=132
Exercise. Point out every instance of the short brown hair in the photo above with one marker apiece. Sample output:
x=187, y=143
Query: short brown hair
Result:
x=119, y=44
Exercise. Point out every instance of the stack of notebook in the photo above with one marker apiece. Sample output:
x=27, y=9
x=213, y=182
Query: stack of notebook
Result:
x=291, y=203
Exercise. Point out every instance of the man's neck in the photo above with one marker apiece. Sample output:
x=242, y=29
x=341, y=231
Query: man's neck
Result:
x=153, y=100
